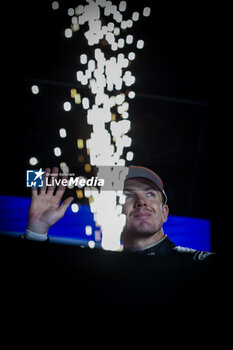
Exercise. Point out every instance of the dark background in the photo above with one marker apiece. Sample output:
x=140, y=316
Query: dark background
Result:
x=179, y=130
x=176, y=128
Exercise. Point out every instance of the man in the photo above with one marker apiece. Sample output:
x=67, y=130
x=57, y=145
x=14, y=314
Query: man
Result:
x=145, y=208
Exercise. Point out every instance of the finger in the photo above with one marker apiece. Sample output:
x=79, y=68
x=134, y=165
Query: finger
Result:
x=63, y=207
x=62, y=187
x=34, y=192
x=53, y=177
x=46, y=175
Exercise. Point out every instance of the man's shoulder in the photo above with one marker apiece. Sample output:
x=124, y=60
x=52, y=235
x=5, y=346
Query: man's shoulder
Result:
x=168, y=248
x=193, y=254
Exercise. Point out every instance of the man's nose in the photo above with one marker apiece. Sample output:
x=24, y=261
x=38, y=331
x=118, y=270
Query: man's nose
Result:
x=139, y=202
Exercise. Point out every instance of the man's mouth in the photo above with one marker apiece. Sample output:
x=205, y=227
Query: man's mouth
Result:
x=141, y=214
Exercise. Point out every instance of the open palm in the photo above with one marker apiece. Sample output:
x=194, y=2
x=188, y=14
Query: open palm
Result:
x=45, y=209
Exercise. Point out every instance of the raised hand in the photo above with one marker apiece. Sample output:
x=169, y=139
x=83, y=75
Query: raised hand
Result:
x=45, y=209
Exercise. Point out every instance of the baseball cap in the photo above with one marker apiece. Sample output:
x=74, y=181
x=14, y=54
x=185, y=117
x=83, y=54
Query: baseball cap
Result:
x=140, y=171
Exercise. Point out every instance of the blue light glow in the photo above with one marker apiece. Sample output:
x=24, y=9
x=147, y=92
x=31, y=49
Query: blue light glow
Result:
x=183, y=231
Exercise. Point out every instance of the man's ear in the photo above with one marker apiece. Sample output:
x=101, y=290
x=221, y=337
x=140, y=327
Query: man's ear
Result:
x=165, y=212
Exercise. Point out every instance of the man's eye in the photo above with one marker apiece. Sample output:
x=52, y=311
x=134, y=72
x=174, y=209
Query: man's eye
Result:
x=128, y=195
x=151, y=194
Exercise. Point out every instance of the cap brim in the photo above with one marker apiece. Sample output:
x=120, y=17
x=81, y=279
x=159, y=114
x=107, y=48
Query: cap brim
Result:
x=138, y=171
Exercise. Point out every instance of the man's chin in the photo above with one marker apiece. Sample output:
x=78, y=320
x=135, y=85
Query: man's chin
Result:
x=144, y=225
x=143, y=230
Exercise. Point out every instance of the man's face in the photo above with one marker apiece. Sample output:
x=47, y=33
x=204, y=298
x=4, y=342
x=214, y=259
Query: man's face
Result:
x=144, y=209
